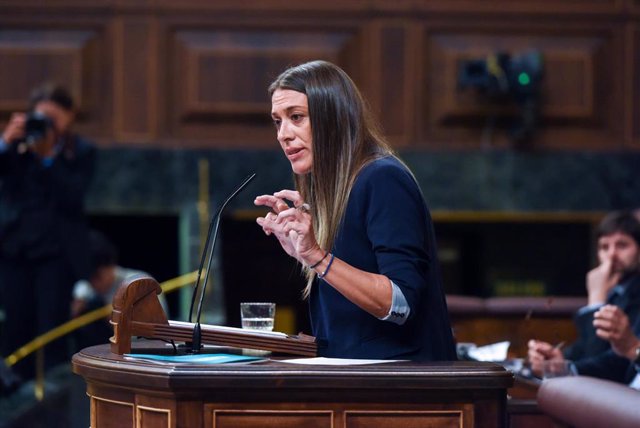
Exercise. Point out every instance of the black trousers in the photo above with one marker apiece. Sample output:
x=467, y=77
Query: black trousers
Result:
x=35, y=296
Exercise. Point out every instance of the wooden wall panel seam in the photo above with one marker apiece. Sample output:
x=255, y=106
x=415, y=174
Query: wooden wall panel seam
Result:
x=123, y=79
x=118, y=76
x=629, y=84
x=369, y=7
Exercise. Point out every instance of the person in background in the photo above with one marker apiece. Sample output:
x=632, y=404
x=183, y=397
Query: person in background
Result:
x=357, y=223
x=622, y=362
x=45, y=171
x=615, y=281
x=103, y=283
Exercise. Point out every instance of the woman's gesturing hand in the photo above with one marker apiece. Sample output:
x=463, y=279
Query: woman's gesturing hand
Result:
x=292, y=226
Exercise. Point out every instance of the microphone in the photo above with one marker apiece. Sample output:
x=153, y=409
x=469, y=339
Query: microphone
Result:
x=214, y=225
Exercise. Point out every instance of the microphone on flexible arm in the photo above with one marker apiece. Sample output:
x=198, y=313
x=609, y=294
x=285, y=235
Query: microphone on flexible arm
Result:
x=215, y=220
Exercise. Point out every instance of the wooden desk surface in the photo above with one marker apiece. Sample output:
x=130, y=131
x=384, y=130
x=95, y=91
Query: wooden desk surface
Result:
x=98, y=363
x=122, y=390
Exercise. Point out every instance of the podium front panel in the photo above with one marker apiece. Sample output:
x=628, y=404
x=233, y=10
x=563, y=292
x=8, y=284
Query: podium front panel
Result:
x=126, y=392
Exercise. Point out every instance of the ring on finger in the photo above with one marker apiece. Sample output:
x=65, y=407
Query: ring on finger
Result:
x=305, y=208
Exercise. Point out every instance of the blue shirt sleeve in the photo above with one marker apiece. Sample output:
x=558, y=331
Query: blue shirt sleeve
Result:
x=399, y=310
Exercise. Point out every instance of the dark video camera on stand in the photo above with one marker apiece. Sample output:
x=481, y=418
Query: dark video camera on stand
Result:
x=503, y=78
x=36, y=127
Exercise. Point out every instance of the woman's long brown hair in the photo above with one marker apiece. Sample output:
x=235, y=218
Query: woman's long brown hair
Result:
x=344, y=139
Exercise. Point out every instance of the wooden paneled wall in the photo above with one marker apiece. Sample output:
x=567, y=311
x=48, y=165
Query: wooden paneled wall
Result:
x=193, y=73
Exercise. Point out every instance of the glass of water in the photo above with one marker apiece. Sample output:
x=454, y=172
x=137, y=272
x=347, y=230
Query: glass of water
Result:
x=555, y=368
x=257, y=315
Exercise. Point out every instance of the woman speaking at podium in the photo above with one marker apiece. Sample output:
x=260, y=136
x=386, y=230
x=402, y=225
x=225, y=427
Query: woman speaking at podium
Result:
x=357, y=222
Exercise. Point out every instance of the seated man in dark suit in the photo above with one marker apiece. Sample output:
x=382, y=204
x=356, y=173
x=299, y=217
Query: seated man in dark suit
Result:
x=615, y=281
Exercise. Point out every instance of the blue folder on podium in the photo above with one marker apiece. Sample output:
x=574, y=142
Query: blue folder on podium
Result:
x=196, y=358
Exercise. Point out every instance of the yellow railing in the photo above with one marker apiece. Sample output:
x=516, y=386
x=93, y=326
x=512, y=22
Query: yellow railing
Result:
x=37, y=344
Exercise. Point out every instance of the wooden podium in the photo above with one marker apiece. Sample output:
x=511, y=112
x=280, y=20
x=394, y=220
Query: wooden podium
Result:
x=126, y=392
x=273, y=394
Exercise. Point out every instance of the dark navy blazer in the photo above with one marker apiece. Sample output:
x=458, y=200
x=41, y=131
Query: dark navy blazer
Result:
x=386, y=229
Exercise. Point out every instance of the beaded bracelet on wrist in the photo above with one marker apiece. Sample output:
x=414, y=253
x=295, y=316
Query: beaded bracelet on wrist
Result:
x=323, y=274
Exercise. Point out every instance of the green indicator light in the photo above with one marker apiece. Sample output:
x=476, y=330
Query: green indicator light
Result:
x=524, y=79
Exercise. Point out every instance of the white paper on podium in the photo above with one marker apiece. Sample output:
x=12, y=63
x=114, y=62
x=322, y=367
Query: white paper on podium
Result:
x=324, y=361
x=493, y=352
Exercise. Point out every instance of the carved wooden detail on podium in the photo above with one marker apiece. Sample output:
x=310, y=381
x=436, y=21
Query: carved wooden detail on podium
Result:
x=137, y=312
x=134, y=302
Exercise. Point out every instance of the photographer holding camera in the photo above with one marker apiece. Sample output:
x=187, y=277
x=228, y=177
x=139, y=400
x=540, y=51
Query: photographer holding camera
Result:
x=45, y=171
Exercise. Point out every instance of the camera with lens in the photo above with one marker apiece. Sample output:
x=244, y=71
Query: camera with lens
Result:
x=36, y=127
